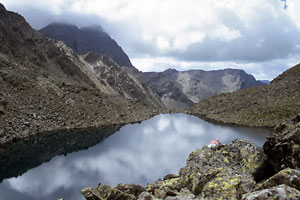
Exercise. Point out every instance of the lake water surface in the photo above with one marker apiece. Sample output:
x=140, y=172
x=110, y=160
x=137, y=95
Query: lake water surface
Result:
x=137, y=153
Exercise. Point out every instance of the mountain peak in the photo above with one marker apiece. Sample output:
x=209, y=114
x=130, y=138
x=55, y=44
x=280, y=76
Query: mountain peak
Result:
x=170, y=70
x=87, y=39
x=94, y=27
x=291, y=74
x=11, y=19
x=2, y=7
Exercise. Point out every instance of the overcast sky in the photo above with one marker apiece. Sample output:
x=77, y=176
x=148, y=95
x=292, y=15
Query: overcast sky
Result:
x=259, y=36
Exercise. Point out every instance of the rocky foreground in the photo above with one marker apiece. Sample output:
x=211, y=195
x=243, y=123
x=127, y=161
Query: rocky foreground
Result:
x=240, y=170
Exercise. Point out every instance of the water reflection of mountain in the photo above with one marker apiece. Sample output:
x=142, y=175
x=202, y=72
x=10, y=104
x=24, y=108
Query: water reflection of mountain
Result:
x=16, y=159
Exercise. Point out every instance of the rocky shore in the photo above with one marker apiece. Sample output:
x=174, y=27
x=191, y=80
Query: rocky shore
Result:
x=31, y=104
x=240, y=170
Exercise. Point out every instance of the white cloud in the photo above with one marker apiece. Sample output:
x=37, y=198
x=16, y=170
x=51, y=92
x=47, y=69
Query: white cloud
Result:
x=160, y=34
x=261, y=70
x=171, y=24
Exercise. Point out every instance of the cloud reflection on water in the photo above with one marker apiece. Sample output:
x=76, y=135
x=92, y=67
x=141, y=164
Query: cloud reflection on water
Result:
x=138, y=153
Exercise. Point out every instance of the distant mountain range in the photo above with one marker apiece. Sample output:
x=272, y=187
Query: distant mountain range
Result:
x=176, y=89
x=182, y=89
x=264, y=106
x=87, y=39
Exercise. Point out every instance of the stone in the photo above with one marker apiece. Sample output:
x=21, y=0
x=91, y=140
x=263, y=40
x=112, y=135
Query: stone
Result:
x=91, y=194
x=280, y=192
x=170, y=176
x=2, y=110
x=159, y=193
x=3, y=106
x=290, y=177
x=283, y=148
x=1, y=132
x=228, y=186
x=112, y=193
x=133, y=189
x=146, y=196
x=34, y=115
x=105, y=192
x=184, y=194
x=70, y=102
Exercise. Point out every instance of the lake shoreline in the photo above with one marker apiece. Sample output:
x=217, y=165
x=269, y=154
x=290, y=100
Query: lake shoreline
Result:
x=112, y=157
x=240, y=170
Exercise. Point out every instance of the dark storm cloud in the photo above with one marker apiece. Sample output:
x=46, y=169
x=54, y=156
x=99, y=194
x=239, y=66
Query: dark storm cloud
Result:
x=269, y=39
x=266, y=38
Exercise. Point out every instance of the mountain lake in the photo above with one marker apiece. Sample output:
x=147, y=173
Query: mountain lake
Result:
x=50, y=168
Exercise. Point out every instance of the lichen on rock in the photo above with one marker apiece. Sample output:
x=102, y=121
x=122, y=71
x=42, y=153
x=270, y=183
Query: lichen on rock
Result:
x=280, y=192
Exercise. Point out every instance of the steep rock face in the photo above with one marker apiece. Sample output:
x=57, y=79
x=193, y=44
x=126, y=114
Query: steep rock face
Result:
x=284, y=146
x=45, y=86
x=119, y=80
x=88, y=39
x=18, y=24
x=265, y=106
x=183, y=89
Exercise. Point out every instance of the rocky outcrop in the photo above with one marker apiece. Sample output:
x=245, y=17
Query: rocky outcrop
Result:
x=47, y=87
x=278, y=192
x=240, y=170
x=18, y=23
x=88, y=39
x=183, y=89
x=264, y=106
x=284, y=146
x=126, y=82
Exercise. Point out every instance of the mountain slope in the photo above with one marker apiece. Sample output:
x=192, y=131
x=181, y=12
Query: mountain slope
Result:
x=88, y=39
x=183, y=89
x=45, y=87
x=264, y=106
x=122, y=81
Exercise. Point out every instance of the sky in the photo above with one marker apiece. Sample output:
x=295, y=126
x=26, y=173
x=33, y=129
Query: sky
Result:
x=258, y=36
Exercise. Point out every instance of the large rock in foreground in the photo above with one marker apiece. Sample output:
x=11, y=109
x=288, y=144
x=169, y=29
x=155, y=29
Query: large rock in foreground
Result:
x=283, y=147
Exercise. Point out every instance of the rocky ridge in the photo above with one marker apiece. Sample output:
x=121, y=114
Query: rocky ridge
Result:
x=45, y=86
x=264, y=106
x=125, y=82
x=181, y=89
x=240, y=170
x=87, y=39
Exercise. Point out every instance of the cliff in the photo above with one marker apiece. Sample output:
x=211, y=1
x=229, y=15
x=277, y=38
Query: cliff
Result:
x=87, y=39
x=182, y=89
